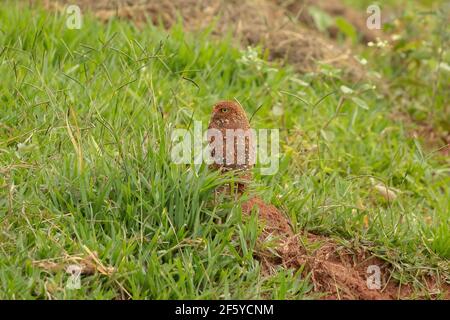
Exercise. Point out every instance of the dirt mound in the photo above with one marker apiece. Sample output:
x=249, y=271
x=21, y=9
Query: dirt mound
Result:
x=336, y=271
x=252, y=22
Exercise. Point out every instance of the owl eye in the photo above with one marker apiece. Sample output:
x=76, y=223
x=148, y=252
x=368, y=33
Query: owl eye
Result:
x=224, y=110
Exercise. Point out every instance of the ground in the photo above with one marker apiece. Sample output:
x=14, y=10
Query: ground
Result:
x=86, y=177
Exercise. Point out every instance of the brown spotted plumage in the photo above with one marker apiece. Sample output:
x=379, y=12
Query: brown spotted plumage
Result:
x=230, y=119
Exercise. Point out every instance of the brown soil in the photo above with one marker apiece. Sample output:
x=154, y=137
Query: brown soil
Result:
x=336, y=271
x=252, y=22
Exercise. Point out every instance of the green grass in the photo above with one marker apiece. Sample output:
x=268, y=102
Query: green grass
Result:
x=85, y=123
